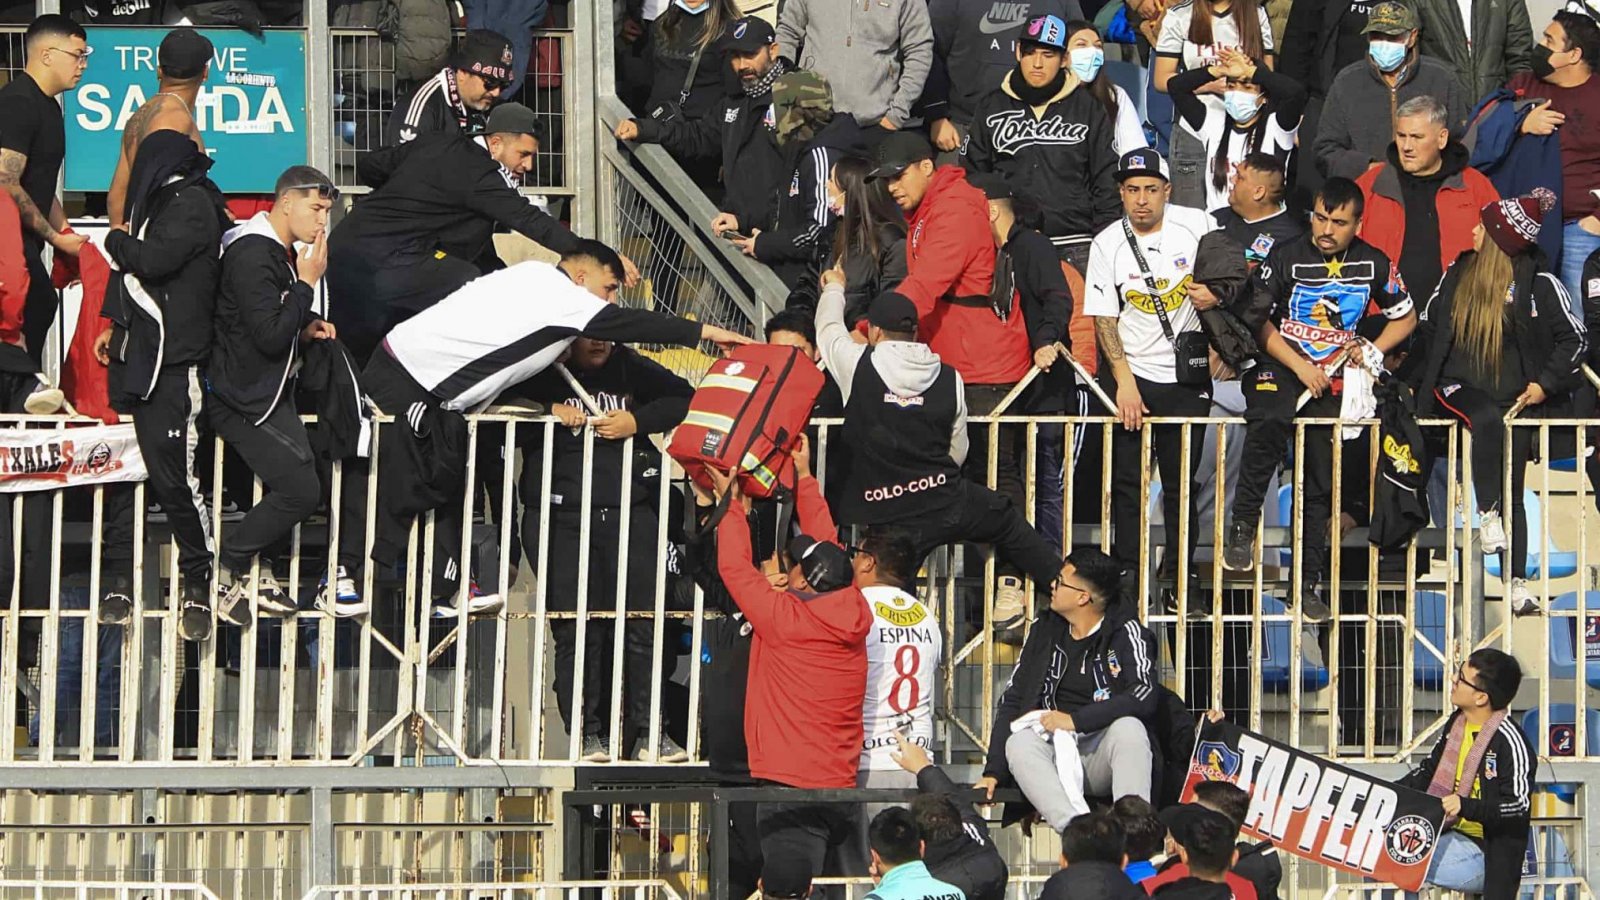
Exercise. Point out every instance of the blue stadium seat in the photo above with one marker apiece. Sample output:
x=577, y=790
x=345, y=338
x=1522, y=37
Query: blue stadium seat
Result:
x=1275, y=654
x=1286, y=516
x=1428, y=671
x=1564, y=641
x=1561, y=740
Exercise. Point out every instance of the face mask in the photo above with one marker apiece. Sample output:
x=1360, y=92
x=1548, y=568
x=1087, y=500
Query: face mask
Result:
x=691, y=10
x=836, y=204
x=1388, y=55
x=1241, y=105
x=1542, y=67
x=1086, y=62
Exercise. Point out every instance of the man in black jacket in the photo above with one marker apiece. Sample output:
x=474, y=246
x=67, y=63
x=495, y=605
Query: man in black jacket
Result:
x=456, y=98
x=955, y=837
x=1486, y=813
x=1093, y=847
x=264, y=311
x=1085, y=669
x=636, y=397
x=157, y=344
x=743, y=132
x=1033, y=267
x=1051, y=139
x=811, y=137
x=428, y=226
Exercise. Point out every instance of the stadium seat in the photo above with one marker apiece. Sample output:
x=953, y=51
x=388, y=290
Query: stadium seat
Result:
x=1562, y=562
x=1564, y=638
x=1561, y=740
x=1286, y=516
x=1428, y=669
x=1275, y=637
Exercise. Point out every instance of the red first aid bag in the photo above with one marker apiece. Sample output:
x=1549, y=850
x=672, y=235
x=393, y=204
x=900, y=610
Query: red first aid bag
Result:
x=747, y=416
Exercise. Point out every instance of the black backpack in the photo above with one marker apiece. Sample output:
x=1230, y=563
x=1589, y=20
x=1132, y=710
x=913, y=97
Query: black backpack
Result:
x=1173, y=730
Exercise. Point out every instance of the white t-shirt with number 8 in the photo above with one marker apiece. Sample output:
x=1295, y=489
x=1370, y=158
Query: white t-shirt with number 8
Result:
x=903, y=650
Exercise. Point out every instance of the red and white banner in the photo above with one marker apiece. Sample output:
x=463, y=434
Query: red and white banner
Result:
x=39, y=459
x=1319, y=810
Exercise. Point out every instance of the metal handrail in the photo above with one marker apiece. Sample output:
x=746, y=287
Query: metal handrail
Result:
x=682, y=193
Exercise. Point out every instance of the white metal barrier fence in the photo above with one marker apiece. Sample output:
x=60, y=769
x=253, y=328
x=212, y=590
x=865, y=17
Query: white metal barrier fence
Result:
x=401, y=687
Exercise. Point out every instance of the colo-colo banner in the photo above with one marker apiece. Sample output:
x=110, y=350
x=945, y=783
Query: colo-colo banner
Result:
x=38, y=459
x=1318, y=810
x=251, y=110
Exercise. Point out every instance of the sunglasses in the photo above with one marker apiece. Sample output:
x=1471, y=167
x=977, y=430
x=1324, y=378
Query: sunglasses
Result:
x=324, y=191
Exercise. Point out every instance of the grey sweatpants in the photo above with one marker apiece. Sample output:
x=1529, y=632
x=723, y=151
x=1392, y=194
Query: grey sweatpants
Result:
x=1116, y=762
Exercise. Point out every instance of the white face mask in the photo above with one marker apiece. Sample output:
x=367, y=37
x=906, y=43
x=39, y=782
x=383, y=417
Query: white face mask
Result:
x=835, y=203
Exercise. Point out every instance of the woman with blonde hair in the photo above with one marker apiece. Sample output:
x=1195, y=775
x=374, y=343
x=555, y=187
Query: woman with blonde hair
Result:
x=1499, y=333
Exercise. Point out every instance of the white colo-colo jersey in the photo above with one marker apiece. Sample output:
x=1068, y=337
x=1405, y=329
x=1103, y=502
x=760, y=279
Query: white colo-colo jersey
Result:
x=903, y=651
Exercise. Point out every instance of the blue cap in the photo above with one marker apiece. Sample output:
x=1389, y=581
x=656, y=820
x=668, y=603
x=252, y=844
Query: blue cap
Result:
x=1048, y=31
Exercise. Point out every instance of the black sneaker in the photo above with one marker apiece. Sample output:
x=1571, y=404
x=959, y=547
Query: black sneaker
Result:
x=1199, y=601
x=1239, y=551
x=194, y=612
x=1313, y=608
x=116, y=606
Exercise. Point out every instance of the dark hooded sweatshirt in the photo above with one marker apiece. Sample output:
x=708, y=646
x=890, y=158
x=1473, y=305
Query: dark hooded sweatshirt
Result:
x=969, y=860
x=1057, y=151
x=161, y=309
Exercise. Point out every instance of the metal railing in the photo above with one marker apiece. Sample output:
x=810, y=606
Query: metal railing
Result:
x=366, y=90
x=401, y=688
x=103, y=890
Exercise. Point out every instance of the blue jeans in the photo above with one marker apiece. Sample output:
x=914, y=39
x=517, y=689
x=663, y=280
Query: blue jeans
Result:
x=1457, y=865
x=69, y=678
x=1576, y=246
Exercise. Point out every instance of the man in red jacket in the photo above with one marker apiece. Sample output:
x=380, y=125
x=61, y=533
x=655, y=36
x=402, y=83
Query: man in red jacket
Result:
x=950, y=255
x=808, y=671
x=1422, y=204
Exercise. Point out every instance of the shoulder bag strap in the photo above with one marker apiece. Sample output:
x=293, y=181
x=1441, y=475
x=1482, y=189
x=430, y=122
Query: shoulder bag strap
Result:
x=1149, y=282
x=694, y=68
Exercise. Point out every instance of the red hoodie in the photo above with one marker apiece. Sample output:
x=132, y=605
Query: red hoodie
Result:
x=950, y=257
x=808, y=662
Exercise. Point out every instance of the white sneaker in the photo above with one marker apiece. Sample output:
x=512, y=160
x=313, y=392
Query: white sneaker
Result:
x=45, y=401
x=1010, y=609
x=1491, y=532
x=270, y=597
x=1522, y=599
x=478, y=604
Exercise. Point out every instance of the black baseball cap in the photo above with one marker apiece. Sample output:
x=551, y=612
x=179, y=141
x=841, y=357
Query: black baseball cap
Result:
x=513, y=118
x=786, y=872
x=893, y=311
x=184, y=53
x=485, y=53
x=898, y=151
x=824, y=563
x=993, y=185
x=1189, y=821
x=747, y=35
x=1143, y=161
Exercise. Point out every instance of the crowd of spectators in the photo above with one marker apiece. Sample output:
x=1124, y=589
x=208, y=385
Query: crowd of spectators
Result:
x=960, y=198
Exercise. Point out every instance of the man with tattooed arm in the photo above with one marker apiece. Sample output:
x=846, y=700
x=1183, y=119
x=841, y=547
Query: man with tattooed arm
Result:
x=33, y=144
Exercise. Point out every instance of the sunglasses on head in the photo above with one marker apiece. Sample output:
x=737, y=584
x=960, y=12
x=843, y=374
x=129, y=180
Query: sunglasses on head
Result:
x=324, y=191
